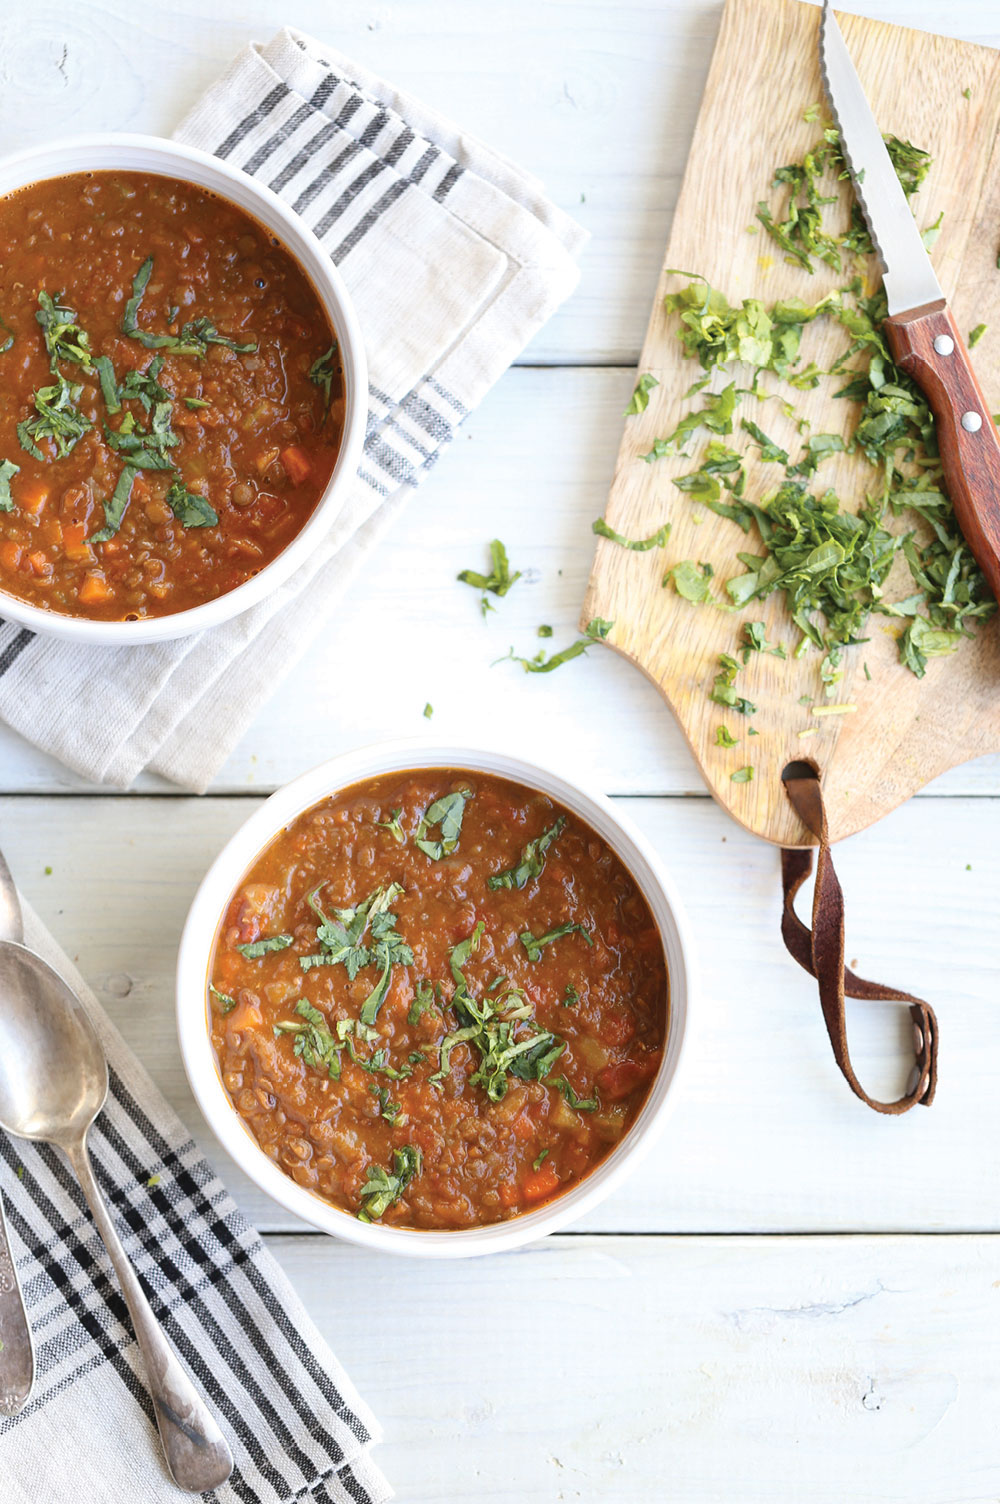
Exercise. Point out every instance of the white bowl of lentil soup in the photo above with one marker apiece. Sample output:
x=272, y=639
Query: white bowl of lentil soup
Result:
x=185, y=387
x=433, y=999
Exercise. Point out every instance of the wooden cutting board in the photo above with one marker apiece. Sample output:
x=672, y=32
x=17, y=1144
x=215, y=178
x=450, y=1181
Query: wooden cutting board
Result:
x=764, y=75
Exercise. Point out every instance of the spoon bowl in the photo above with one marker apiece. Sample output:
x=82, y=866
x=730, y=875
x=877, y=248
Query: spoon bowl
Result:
x=53, y=1070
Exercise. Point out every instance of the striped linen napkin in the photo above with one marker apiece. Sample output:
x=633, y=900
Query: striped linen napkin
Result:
x=454, y=259
x=295, y=1424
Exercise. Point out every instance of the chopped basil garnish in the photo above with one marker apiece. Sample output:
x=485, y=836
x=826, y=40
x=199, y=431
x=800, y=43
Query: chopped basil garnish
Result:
x=692, y=581
x=769, y=450
x=194, y=338
x=254, y=949
x=717, y=414
x=802, y=234
x=146, y=449
x=536, y=1164
x=341, y=938
x=7, y=472
x=724, y=737
x=384, y=1187
x=115, y=506
x=532, y=859
x=375, y=1064
x=388, y=1109
x=393, y=826
x=64, y=339
x=723, y=692
x=533, y=943
x=189, y=508
x=498, y=581
x=640, y=397
x=342, y=943
x=975, y=335
x=742, y=775
x=322, y=372
x=638, y=545
x=570, y=997
x=579, y=1104
x=755, y=641
x=56, y=417
x=831, y=563
x=144, y=386
x=109, y=383
x=313, y=1041
x=447, y=813
x=196, y=403
x=226, y=1003
x=489, y=1024
x=424, y=997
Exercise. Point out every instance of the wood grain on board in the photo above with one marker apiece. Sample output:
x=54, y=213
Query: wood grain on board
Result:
x=905, y=731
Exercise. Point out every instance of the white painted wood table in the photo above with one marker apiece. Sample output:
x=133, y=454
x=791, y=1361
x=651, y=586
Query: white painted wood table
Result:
x=796, y=1300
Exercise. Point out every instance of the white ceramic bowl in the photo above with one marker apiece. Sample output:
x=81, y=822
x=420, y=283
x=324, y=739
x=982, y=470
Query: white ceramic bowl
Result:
x=127, y=153
x=213, y=897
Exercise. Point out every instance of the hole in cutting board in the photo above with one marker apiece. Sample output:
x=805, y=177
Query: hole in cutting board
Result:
x=799, y=769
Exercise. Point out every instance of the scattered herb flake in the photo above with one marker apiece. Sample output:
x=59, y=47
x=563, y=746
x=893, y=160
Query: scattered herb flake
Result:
x=638, y=545
x=597, y=630
x=498, y=581
x=254, y=949
x=7, y=472
x=190, y=509
x=226, y=1003
x=447, y=813
x=692, y=581
x=532, y=859
x=393, y=826
x=115, y=506
x=383, y=1187
x=578, y=1104
x=640, y=397
x=533, y=943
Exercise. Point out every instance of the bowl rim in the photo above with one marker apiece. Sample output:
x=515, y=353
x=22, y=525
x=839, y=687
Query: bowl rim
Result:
x=277, y=812
x=168, y=158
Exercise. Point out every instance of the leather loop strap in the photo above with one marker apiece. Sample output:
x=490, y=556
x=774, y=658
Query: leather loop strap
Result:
x=820, y=951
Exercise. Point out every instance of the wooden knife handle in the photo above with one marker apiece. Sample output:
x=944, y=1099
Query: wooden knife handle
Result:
x=926, y=344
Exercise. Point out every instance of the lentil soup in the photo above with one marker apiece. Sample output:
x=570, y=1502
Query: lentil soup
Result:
x=173, y=396
x=438, y=999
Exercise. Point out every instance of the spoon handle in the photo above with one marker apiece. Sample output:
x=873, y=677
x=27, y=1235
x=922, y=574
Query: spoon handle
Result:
x=197, y=1456
x=17, y=1358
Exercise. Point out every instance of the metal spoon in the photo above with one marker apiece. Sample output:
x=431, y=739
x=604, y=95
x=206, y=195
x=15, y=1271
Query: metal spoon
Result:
x=53, y=1083
x=17, y=1356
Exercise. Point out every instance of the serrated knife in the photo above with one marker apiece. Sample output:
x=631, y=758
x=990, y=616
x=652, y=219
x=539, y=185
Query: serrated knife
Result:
x=921, y=333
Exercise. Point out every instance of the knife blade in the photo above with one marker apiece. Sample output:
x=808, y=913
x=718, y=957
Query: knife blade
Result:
x=921, y=332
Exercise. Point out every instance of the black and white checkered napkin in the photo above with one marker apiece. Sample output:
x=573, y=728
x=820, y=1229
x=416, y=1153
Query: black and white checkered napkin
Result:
x=454, y=259
x=297, y=1428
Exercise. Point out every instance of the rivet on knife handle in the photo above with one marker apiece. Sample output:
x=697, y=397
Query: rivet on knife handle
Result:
x=926, y=344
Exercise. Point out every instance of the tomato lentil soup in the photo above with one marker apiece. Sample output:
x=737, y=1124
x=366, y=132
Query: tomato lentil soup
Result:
x=173, y=398
x=438, y=999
